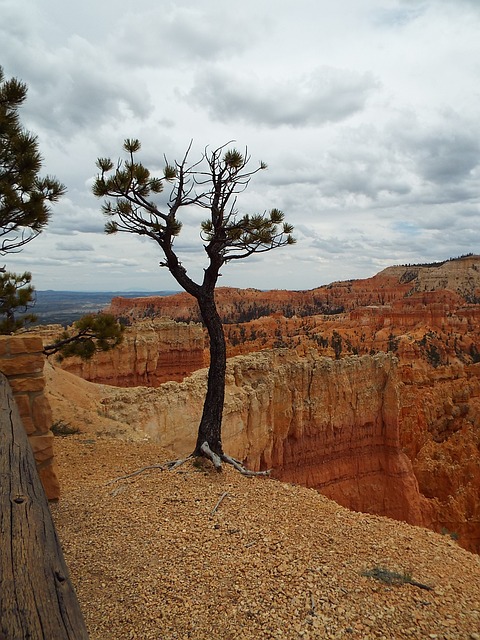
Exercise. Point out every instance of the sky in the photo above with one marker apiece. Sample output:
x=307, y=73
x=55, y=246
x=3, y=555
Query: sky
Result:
x=365, y=111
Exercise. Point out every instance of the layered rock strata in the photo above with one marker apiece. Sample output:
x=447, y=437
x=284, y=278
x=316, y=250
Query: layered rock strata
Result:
x=461, y=276
x=152, y=352
x=331, y=425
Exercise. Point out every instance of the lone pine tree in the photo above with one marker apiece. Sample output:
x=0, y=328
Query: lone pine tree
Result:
x=212, y=183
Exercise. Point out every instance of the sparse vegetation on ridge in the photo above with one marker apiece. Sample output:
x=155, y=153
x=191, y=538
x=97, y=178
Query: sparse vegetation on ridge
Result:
x=437, y=264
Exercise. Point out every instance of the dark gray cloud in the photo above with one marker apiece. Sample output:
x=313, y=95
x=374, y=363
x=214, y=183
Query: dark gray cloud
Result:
x=445, y=152
x=71, y=246
x=324, y=95
x=68, y=219
x=447, y=158
x=72, y=87
x=169, y=35
x=86, y=95
x=407, y=162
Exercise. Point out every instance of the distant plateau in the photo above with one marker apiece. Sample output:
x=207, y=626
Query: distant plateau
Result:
x=64, y=307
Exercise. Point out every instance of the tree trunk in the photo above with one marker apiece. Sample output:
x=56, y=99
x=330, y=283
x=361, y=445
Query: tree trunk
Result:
x=210, y=428
x=37, y=598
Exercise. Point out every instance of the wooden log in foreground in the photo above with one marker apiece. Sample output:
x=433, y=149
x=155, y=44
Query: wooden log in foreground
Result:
x=37, y=598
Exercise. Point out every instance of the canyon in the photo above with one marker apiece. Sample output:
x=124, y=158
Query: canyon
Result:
x=331, y=425
x=366, y=390
x=461, y=276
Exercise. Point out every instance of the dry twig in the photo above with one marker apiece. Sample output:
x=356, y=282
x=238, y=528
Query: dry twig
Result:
x=224, y=495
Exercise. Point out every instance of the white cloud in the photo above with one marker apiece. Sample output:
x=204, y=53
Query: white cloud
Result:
x=324, y=95
x=366, y=113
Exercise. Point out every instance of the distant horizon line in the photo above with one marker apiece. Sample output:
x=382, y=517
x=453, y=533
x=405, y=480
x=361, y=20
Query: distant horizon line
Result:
x=173, y=291
x=108, y=290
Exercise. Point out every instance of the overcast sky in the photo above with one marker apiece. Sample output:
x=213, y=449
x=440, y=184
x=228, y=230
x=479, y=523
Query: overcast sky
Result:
x=367, y=113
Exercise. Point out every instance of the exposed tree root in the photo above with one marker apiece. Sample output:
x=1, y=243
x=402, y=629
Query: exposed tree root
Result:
x=222, y=497
x=167, y=466
x=162, y=467
x=236, y=464
x=174, y=464
x=206, y=452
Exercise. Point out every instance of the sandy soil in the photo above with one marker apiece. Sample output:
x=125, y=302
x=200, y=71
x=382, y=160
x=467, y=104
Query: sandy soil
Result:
x=196, y=554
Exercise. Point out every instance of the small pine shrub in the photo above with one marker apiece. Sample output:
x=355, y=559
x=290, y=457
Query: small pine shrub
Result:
x=393, y=577
x=445, y=532
x=61, y=428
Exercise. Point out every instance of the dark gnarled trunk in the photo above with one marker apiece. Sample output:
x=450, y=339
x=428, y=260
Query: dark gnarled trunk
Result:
x=210, y=428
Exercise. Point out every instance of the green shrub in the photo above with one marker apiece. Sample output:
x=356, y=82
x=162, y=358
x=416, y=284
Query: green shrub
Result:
x=61, y=428
x=393, y=577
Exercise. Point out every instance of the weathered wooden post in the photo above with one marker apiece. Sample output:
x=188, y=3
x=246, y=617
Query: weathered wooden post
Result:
x=37, y=598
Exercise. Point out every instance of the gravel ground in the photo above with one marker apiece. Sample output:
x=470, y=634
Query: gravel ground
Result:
x=195, y=554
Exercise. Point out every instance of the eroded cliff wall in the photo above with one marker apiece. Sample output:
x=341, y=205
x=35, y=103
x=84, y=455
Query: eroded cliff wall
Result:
x=428, y=316
x=331, y=425
x=152, y=352
x=440, y=433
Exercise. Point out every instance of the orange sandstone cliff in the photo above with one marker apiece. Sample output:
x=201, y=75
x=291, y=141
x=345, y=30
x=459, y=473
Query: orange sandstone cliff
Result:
x=152, y=352
x=461, y=276
x=331, y=425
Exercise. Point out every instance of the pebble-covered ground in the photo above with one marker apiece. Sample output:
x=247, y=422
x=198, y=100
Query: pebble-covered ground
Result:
x=195, y=554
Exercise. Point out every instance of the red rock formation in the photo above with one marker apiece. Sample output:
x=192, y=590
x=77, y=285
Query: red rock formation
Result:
x=152, y=352
x=400, y=304
x=461, y=276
